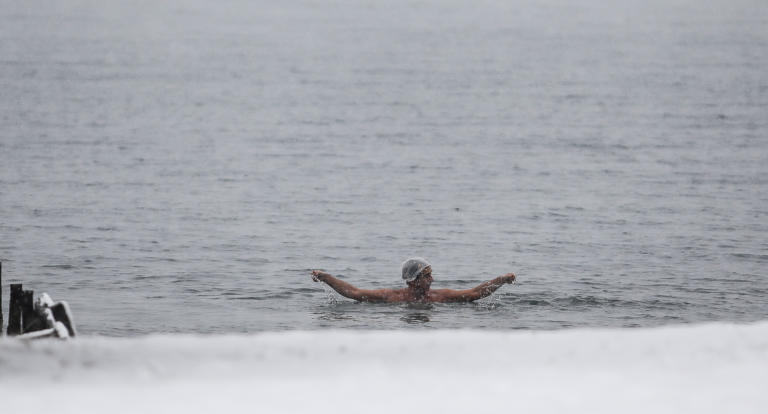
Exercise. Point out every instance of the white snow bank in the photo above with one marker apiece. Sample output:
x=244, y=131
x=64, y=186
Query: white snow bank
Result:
x=710, y=368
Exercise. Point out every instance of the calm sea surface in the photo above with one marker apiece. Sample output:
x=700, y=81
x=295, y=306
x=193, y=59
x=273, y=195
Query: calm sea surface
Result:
x=181, y=166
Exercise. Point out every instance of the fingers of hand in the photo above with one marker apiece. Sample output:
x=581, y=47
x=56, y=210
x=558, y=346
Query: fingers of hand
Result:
x=316, y=275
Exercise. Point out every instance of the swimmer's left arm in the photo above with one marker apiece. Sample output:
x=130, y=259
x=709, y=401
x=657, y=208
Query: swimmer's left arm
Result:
x=482, y=290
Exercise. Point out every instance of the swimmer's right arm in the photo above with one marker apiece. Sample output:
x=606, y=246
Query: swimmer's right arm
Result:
x=347, y=290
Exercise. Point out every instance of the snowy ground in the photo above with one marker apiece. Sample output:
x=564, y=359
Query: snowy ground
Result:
x=708, y=368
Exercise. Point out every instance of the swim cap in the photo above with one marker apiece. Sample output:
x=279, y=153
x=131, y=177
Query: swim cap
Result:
x=413, y=267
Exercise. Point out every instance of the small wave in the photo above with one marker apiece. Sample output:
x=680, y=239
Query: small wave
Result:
x=303, y=290
x=751, y=257
x=592, y=301
x=535, y=302
x=144, y=277
x=59, y=266
x=579, y=300
x=265, y=297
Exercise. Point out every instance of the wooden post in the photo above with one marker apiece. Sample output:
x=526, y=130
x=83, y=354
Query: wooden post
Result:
x=14, y=310
x=1, y=299
x=30, y=320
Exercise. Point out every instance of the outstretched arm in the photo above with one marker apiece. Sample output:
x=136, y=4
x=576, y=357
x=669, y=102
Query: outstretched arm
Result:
x=347, y=290
x=482, y=290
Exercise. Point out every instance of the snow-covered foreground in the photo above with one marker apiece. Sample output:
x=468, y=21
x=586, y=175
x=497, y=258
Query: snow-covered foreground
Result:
x=696, y=369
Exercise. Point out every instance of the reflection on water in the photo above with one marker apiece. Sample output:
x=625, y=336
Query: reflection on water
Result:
x=337, y=309
x=417, y=313
x=411, y=313
x=415, y=318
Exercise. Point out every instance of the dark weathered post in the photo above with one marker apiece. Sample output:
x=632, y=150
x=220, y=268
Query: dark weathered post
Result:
x=14, y=310
x=30, y=321
x=1, y=298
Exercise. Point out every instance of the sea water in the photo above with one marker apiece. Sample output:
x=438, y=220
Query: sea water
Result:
x=182, y=166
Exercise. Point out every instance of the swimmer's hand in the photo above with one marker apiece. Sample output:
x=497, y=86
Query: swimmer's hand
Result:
x=318, y=275
x=509, y=278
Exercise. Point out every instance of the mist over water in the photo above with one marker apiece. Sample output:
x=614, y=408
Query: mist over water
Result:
x=182, y=166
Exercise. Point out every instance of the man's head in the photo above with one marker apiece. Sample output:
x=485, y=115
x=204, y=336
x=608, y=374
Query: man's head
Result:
x=417, y=272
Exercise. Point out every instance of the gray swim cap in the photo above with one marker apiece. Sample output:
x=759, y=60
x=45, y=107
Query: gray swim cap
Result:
x=413, y=267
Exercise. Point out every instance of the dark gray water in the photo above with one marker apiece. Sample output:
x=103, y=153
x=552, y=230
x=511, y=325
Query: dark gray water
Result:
x=182, y=166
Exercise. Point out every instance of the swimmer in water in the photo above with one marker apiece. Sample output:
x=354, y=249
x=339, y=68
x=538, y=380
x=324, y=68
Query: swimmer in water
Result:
x=417, y=273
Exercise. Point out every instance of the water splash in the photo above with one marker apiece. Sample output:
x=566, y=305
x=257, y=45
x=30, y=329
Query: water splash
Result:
x=330, y=295
x=491, y=302
x=495, y=300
